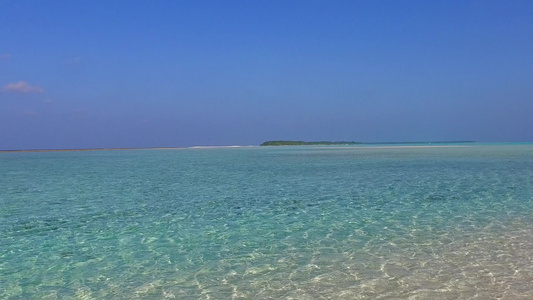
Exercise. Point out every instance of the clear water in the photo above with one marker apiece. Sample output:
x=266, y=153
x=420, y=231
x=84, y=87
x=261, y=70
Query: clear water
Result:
x=268, y=223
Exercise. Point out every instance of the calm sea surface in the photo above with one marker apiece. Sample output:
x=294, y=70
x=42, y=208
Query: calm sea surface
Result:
x=268, y=223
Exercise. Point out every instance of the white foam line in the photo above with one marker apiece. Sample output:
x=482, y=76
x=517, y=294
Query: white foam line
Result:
x=214, y=147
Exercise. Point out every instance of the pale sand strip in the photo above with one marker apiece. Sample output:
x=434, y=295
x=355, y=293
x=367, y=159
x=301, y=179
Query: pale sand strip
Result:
x=216, y=147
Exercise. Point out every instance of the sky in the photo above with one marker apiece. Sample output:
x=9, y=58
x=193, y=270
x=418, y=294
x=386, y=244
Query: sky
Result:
x=105, y=74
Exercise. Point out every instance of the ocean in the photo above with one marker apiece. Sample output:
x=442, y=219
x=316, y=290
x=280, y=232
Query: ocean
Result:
x=302, y=222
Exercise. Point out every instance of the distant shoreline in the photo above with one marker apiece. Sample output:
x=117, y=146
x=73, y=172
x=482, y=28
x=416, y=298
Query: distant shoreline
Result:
x=403, y=147
x=358, y=146
x=91, y=149
x=122, y=149
x=338, y=143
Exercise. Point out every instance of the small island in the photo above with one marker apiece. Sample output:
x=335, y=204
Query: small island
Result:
x=302, y=143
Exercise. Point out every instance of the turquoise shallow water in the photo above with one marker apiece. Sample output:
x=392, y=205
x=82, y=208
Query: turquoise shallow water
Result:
x=268, y=223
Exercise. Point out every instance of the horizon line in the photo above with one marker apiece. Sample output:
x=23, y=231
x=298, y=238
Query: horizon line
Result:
x=215, y=146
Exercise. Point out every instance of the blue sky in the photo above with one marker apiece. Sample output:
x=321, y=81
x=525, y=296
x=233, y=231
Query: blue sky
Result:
x=91, y=74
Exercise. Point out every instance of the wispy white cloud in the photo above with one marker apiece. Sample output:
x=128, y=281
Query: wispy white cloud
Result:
x=30, y=113
x=22, y=87
x=74, y=61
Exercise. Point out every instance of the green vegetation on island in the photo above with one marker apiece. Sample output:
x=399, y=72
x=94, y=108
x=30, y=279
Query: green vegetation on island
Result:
x=302, y=143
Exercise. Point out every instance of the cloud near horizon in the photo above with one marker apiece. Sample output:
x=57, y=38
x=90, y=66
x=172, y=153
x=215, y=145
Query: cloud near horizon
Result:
x=74, y=61
x=30, y=113
x=22, y=87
